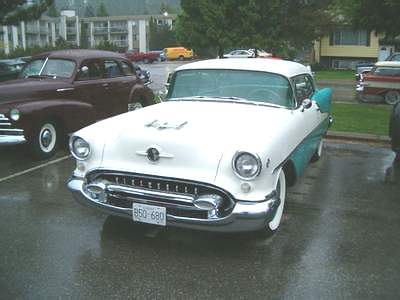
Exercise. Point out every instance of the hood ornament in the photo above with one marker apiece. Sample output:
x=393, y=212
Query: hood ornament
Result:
x=154, y=153
x=166, y=125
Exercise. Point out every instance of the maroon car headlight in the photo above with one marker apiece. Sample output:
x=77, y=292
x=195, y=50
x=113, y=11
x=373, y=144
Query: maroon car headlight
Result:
x=79, y=148
x=246, y=165
x=15, y=114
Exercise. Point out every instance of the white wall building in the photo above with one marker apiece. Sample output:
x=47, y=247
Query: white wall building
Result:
x=126, y=32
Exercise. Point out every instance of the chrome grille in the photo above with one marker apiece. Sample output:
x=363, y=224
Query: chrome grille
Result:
x=6, y=127
x=176, y=195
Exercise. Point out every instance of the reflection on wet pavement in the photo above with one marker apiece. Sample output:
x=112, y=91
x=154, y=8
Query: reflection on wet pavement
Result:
x=339, y=239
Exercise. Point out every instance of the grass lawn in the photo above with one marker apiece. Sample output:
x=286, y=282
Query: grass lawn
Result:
x=335, y=74
x=361, y=118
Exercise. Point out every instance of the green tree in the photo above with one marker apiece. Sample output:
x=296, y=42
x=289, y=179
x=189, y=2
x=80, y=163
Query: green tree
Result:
x=14, y=11
x=381, y=16
x=161, y=35
x=52, y=11
x=274, y=25
x=102, y=10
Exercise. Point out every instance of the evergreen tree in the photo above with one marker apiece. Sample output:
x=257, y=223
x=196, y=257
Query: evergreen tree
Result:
x=15, y=11
x=102, y=10
x=52, y=11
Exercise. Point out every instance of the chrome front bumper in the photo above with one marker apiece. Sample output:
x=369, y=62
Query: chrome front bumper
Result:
x=245, y=216
x=9, y=140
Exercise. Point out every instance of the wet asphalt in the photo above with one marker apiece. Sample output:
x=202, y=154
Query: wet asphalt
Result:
x=340, y=239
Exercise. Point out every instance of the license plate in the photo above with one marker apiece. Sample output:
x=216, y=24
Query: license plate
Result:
x=149, y=214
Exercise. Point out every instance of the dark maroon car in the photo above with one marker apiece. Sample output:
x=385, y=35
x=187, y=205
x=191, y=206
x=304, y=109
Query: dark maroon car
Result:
x=62, y=91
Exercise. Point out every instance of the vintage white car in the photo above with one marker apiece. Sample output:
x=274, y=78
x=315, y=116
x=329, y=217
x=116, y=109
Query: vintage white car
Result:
x=217, y=155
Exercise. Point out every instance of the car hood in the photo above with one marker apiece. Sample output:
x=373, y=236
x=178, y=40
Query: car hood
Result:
x=21, y=89
x=191, y=136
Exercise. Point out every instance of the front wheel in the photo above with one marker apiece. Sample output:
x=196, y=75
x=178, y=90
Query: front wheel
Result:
x=44, y=140
x=392, y=97
x=272, y=226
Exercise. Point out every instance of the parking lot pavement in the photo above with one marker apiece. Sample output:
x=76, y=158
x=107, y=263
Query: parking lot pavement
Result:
x=339, y=239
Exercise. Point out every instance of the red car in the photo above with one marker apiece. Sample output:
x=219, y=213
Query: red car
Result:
x=146, y=57
x=60, y=92
x=382, y=83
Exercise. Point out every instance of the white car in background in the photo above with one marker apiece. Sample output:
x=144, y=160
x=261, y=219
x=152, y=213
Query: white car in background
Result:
x=217, y=155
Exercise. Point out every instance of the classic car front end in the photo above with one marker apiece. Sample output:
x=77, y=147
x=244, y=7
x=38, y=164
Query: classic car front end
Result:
x=205, y=159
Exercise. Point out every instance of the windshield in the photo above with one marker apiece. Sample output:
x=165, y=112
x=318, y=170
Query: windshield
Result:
x=56, y=68
x=260, y=87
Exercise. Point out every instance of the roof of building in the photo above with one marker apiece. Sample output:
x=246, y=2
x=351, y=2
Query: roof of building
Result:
x=278, y=66
x=79, y=54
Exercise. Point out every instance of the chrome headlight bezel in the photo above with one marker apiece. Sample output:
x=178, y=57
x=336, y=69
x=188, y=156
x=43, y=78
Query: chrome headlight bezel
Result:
x=15, y=114
x=255, y=157
x=74, y=143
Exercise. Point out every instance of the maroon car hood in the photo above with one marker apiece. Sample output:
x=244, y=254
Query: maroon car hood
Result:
x=22, y=89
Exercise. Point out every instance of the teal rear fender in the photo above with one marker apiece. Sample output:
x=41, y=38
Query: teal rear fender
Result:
x=324, y=99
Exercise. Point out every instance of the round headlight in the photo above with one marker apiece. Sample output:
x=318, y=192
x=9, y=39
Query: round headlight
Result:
x=80, y=149
x=15, y=114
x=246, y=165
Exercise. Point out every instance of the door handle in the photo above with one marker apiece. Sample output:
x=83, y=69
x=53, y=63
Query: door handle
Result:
x=105, y=84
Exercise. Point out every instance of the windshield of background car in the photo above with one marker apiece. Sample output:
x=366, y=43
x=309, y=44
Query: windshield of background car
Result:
x=56, y=68
x=254, y=86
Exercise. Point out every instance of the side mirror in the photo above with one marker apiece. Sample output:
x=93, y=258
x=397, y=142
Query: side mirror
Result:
x=84, y=69
x=307, y=103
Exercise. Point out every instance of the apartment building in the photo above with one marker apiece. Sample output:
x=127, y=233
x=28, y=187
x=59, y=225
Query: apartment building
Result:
x=126, y=32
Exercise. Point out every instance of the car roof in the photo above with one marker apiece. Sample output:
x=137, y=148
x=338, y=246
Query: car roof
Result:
x=395, y=64
x=278, y=66
x=79, y=54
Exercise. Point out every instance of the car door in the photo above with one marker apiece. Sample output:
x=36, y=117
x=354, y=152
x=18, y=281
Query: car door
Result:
x=90, y=87
x=120, y=78
x=308, y=119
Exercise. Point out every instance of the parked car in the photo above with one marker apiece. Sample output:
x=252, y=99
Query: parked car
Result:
x=146, y=57
x=394, y=129
x=365, y=67
x=381, y=84
x=62, y=91
x=250, y=53
x=178, y=53
x=144, y=75
x=216, y=155
x=10, y=68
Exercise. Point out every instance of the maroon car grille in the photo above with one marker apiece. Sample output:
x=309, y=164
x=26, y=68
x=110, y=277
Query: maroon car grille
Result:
x=6, y=127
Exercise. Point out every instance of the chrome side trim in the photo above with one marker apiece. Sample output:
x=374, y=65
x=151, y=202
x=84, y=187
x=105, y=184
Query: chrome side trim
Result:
x=12, y=140
x=65, y=89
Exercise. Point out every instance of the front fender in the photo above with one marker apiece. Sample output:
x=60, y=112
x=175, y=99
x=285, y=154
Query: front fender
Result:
x=72, y=114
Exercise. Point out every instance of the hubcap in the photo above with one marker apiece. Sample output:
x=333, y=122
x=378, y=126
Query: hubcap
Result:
x=47, y=137
x=392, y=97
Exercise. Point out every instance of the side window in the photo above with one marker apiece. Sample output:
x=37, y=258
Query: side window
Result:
x=112, y=69
x=89, y=70
x=304, y=87
x=127, y=68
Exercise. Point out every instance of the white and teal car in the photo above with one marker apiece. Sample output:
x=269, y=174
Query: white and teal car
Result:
x=216, y=155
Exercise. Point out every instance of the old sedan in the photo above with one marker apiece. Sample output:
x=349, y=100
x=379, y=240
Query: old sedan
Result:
x=217, y=155
x=60, y=92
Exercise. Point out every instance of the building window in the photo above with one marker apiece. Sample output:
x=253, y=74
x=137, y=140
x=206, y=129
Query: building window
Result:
x=350, y=37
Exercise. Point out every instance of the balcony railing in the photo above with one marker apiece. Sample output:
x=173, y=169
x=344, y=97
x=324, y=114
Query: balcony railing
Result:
x=118, y=29
x=71, y=30
x=120, y=43
x=100, y=30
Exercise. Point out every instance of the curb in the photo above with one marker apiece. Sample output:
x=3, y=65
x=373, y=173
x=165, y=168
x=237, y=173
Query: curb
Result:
x=360, y=137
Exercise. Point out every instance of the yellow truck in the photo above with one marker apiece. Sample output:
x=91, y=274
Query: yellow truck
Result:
x=179, y=53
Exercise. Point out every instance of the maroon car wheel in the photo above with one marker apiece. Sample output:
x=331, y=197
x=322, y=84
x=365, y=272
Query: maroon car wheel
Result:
x=44, y=140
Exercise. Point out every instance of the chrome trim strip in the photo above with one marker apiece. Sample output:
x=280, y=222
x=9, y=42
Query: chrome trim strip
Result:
x=2, y=118
x=12, y=130
x=65, y=89
x=145, y=192
x=5, y=124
